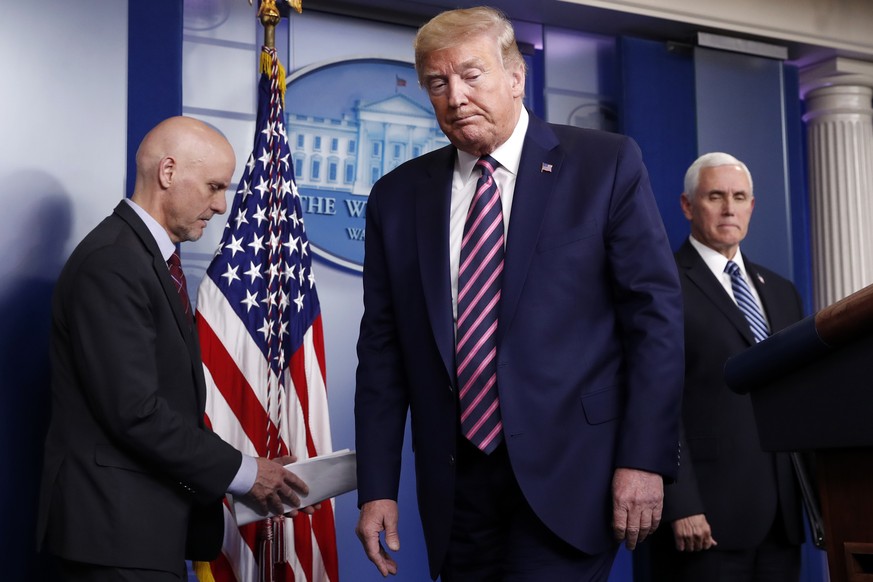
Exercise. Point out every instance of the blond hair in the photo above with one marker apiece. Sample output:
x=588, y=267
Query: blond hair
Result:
x=453, y=27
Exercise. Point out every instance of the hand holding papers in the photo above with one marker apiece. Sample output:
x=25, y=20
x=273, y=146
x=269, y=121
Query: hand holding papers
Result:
x=326, y=476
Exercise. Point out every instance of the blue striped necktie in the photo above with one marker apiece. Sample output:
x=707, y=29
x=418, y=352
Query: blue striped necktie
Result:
x=746, y=302
x=480, y=273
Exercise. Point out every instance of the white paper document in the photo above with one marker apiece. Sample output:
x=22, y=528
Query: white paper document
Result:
x=326, y=476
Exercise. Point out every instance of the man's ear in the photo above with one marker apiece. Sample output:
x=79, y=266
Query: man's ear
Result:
x=518, y=82
x=686, y=205
x=166, y=171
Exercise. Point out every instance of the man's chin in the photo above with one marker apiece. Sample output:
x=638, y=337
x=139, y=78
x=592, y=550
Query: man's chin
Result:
x=476, y=144
x=194, y=235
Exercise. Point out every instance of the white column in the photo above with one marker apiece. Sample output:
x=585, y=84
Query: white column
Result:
x=839, y=117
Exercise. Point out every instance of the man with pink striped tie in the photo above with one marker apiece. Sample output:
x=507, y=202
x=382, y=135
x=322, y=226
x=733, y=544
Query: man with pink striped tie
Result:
x=521, y=302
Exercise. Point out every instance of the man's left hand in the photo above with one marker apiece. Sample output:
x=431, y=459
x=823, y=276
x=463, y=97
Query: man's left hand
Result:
x=638, y=498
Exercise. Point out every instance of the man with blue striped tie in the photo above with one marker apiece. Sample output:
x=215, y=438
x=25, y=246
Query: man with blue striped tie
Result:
x=734, y=510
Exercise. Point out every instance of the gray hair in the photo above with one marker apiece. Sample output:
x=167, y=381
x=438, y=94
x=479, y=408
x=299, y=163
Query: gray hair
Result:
x=712, y=160
x=453, y=27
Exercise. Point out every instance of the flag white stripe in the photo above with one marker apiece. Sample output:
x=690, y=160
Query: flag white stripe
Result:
x=237, y=551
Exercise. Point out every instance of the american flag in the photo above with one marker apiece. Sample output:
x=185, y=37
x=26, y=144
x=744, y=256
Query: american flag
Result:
x=262, y=344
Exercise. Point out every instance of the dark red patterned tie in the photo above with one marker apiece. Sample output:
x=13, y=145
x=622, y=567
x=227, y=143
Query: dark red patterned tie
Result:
x=480, y=273
x=178, y=276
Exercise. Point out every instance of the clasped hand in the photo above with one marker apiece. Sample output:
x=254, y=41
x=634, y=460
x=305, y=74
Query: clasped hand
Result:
x=693, y=533
x=275, y=486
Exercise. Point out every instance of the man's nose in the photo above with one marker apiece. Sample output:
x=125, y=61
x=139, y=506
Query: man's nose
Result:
x=457, y=93
x=220, y=203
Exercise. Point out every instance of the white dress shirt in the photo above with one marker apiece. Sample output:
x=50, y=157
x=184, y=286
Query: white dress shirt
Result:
x=717, y=262
x=464, y=179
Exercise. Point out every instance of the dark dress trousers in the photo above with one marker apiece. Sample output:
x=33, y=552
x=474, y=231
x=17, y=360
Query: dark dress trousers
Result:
x=589, y=340
x=130, y=471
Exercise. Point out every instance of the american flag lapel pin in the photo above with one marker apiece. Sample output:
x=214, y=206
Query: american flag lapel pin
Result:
x=760, y=278
x=546, y=168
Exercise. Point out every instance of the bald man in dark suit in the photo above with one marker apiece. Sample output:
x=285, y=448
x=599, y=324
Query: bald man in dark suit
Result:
x=133, y=479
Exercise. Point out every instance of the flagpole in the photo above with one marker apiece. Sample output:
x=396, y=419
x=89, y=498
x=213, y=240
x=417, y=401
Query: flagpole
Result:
x=269, y=17
x=271, y=543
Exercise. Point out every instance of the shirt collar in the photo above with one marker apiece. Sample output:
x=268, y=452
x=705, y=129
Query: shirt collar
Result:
x=507, y=154
x=158, y=233
x=714, y=259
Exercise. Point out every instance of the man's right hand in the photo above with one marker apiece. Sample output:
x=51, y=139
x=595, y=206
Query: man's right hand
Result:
x=378, y=516
x=274, y=486
x=693, y=533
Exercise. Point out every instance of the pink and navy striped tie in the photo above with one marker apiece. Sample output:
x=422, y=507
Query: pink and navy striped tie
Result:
x=479, y=278
x=178, y=276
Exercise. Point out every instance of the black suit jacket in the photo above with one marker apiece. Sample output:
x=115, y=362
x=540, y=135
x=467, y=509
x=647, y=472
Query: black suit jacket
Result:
x=723, y=472
x=128, y=461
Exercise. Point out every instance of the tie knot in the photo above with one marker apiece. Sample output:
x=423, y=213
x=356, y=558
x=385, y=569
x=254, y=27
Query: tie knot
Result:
x=175, y=261
x=732, y=269
x=487, y=164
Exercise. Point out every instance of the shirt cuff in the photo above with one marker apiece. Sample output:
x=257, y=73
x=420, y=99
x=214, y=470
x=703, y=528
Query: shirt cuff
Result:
x=245, y=476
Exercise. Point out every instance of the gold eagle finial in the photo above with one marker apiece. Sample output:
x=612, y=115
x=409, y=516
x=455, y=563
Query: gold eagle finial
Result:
x=268, y=7
x=270, y=16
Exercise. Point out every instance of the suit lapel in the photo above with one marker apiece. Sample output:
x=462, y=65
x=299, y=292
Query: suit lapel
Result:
x=163, y=275
x=158, y=264
x=433, y=194
x=771, y=303
x=698, y=273
x=533, y=189
x=534, y=186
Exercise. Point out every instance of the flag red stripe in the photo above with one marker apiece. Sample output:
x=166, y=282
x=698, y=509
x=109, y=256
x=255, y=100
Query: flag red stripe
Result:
x=222, y=570
x=303, y=544
x=235, y=388
x=325, y=536
x=297, y=370
x=302, y=527
x=318, y=341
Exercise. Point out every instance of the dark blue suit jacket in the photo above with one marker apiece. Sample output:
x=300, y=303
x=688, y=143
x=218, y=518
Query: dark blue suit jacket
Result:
x=590, y=351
